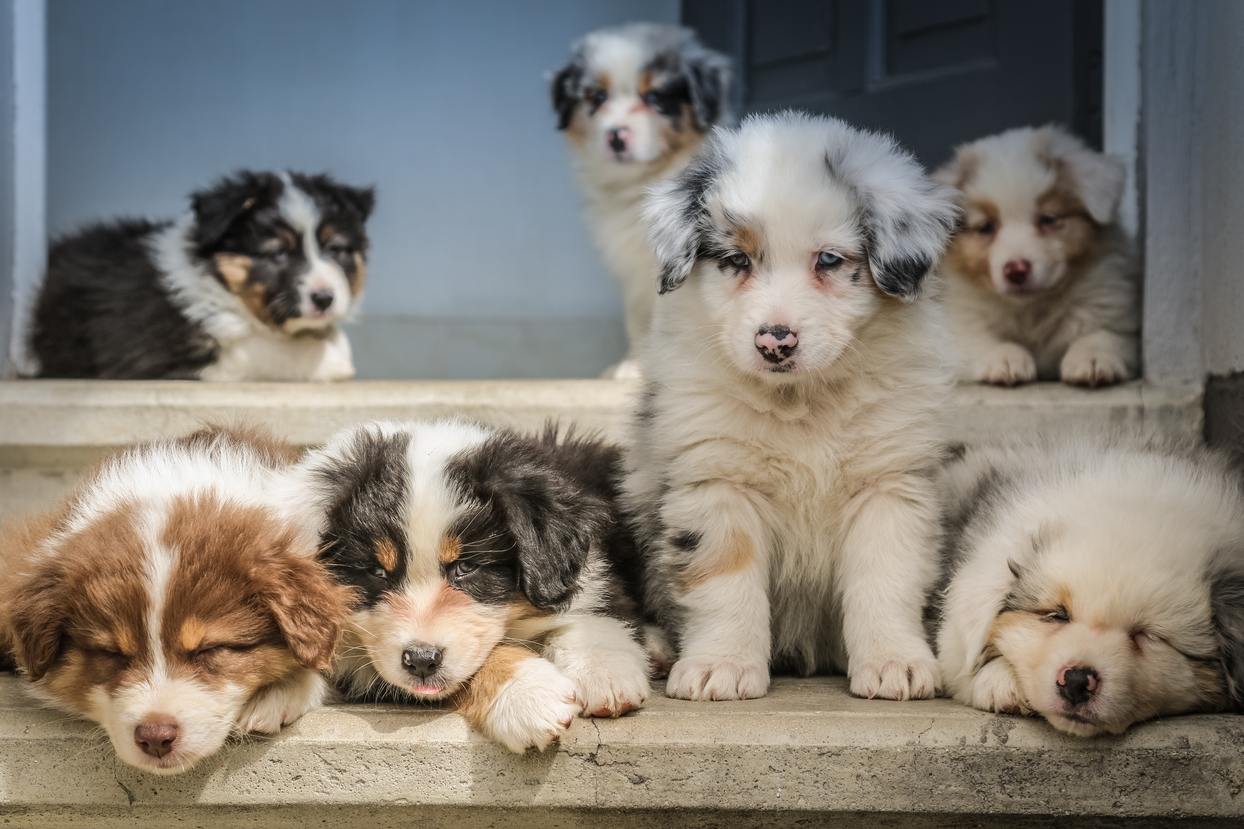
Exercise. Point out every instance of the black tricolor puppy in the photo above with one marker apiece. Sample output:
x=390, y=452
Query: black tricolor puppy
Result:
x=250, y=284
x=491, y=569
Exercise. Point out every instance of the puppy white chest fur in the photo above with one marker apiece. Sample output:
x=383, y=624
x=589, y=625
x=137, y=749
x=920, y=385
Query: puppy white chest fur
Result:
x=259, y=356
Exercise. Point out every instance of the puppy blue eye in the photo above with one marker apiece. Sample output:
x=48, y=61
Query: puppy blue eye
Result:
x=739, y=261
x=827, y=261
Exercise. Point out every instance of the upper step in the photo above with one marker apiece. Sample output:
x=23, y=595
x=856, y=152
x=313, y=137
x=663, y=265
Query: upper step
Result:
x=50, y=430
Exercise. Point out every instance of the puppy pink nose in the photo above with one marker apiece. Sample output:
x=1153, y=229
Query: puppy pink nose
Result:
x=776, y=342
x=1017, y=271
x=156, y=736
x=617, y=138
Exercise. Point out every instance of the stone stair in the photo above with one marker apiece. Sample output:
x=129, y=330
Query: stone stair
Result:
x=806, y=755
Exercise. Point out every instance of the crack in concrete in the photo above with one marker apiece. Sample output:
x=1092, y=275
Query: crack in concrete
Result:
x=129, y=793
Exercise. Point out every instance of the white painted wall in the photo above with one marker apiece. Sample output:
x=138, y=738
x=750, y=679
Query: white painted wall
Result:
x=1193, y=124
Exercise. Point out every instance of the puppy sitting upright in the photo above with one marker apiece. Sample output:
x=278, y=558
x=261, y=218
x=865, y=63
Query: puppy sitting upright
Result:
x=490, y=568
x=781, y=474
x=249, y=285
x=170, y=602
x=1040, y=284
x=635, y=102
x=1095, y=583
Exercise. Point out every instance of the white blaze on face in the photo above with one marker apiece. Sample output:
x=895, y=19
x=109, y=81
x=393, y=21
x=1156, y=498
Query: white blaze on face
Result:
x=324, y=277
x=203, y=717
x=621, y=61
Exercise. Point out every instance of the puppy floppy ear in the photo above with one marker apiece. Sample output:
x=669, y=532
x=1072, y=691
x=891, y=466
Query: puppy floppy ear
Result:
x=361, y=200
x=905, y=217
x=707, y=74
x=1227, y=603
x=960, y=169
x=550, y=519
x=1096, y=178
x=218, y=207
x=677, y=215
x=565, y=90
x=36, y=620
x=304, y=599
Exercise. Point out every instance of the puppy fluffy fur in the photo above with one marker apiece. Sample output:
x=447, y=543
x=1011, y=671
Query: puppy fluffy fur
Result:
x=491, y=570
x=169, y=602
x=1040, y=283
x=785, y=490
x=634, y=103
x=1097, y=583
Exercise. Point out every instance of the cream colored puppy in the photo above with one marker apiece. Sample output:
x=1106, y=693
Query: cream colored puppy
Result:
x=1040, y=283
x=782, y=463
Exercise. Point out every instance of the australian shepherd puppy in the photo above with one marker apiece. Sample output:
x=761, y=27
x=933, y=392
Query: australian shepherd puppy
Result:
x=782, y=470
x=634, y=103
x=1095, y=583
x=491, y=570
x=1040, y=282
x=251, y=284
x=170, y=602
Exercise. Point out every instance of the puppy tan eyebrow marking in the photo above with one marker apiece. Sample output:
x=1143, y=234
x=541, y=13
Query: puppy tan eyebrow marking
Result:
x=386, y=554
x=450, y=549
x=234, y=268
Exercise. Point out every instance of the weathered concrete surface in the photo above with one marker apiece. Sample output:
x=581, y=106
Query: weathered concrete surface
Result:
x=805, y=751
x=51, y=430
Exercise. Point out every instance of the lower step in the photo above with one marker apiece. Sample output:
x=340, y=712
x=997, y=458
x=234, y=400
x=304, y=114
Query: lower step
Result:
x=805, y=752
x=50, y=431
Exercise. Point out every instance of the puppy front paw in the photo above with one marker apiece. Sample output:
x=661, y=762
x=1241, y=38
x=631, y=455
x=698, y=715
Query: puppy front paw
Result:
x=1006, y=364
x=534, y=708
x=280, y=704
x=994, y=689
x=914, y=676
x=714, y=678
x=613, y=683
x=1092, y=366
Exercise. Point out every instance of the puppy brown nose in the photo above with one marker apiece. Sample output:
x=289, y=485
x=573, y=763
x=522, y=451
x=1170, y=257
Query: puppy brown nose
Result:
x=617, y=138
x=321, y=299
x=156, y=736
x=776, y=342
x=1077, y=685
x=422, y=660
x=1017, y=271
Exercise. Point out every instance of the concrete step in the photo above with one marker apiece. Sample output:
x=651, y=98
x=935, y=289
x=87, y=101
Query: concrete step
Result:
x=51, y=430
x=803, y=755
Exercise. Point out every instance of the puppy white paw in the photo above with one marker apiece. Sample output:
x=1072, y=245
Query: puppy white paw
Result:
x=533, y=709
x=280, y=704
x=895, y=677
x=713, y=678
x=612, y=683
x=1006, y=364
x=994, y=689
x=1091, y=366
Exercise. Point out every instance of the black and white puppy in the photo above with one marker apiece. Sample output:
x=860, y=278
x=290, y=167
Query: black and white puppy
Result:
x=1095, y=582
x=491, y=569
x=250, y=284
x=635, y=102
x=785, y=448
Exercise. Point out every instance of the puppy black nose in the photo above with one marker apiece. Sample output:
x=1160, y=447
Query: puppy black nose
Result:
x=617, y=139
x=321, y=298
x=1077, y=685
x=422, y=660
x=1017, y=271
x=156, y=736
x=776, y=342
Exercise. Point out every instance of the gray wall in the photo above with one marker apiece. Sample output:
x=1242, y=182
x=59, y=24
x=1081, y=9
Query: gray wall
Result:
x=1193, y=120
x=443, y=105
x=7, y=184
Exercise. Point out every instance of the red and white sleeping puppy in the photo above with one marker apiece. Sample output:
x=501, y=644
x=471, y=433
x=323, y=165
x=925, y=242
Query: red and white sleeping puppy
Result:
x=168, y=601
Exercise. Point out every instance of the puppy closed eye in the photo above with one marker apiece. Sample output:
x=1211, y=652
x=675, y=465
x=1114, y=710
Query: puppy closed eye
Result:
x=1049, y=221
x=205, y=652
x=1058, y=615
x=985, y=228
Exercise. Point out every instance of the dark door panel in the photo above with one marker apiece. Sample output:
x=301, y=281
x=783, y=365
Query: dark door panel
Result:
x=932, y=73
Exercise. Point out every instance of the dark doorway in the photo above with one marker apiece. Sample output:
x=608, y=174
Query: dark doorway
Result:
x=934, y=74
